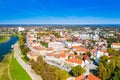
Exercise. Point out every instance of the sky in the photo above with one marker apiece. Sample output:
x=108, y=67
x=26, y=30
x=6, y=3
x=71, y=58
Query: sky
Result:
x=59, y=11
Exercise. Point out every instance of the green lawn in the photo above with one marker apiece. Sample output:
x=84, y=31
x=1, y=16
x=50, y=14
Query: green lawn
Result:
x=18, y=35
x=10, y=69
x=4, y=68
x=17, y=72
x=3, y=39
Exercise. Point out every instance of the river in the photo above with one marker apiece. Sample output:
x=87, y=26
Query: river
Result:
x=6, y=46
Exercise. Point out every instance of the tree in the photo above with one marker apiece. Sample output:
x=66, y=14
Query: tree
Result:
x=111, y=51
x=75, y=53
x=78, y=70
x=47, y=71
x=103, y=60
x=115, y=76
x=109, y=70
x=88, y=54
x=102, y=72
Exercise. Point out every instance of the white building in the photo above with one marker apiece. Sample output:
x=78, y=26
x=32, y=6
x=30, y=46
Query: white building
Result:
x=21, y=29
x=56, y=45
x=116, y=46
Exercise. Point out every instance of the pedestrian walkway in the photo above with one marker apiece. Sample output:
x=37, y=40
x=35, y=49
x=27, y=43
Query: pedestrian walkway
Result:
x=25, y=66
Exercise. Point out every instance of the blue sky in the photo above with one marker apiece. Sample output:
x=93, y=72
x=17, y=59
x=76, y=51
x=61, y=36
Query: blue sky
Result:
x=59, y=11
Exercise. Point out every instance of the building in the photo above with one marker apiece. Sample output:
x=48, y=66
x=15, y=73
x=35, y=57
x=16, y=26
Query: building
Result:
x=115, y=46
x=74, y=62
x=20, y=29
x=89, y=77
x=32, y=55
x=56, y=45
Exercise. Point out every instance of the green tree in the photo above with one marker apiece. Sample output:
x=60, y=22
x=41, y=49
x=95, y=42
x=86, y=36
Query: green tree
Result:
x=47, y=71
x=88, y=54
x=102, y=72
x=103, y=60
x=78, y=70
x=115, y=76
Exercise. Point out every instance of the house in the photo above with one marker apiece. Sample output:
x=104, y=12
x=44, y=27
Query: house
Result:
x=100, y=53
x=33, y=55
x=79, y=49
x=115, y=46
x=56, y=45
x=89, y=77
x=63, y=56
x=92, y=77
x=81, y=77
x=86, y=59
x=35, y=44
x=74, y=62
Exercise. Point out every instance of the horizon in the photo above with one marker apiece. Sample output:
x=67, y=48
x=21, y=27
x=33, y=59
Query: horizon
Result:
x=60, y=12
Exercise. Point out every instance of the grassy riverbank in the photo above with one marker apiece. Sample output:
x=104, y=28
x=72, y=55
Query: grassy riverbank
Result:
x=3, y=39
x=10, y=69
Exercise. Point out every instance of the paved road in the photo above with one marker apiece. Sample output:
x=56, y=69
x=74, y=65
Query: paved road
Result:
x=25, y=66
x=89, y=67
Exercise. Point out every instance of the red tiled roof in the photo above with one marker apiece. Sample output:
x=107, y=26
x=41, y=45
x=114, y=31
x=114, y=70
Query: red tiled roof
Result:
x=81, y=77
x=72, y=55
x=80, y=48
x=103, y=51
x=89, y=77
x=73, y=60
x=62, y=55
x=92, y=77
x=115, y=44
x=86, y=57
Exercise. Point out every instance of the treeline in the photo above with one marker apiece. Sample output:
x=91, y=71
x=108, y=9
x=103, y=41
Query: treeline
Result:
x=23, y=47
x=112, y=40
x=56, y=34
x=47, y=71
x=109, y=69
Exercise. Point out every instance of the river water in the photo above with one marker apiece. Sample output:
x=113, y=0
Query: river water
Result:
x=6, y=46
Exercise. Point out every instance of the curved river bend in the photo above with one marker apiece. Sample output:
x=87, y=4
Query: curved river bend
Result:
x=6, y=46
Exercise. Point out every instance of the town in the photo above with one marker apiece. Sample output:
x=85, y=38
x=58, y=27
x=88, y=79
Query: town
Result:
x=79, y=51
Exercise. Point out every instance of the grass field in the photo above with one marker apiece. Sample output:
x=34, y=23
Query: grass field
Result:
x=4, y=75
x=17, y=72
x=10, y=69
x=3, y=39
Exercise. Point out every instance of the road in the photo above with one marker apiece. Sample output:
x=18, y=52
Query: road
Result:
x=25, y=66
x=89, y=67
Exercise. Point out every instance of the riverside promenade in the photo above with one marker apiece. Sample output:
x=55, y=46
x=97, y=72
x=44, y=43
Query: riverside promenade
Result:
x=26, y=67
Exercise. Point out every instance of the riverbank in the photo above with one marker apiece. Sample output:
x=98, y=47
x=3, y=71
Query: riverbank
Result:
x=9, y=67
x=4, y=39
x=5, y=47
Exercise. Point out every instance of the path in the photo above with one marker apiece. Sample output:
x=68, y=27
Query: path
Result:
x=25, y=66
